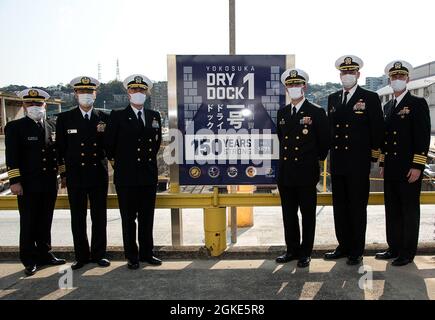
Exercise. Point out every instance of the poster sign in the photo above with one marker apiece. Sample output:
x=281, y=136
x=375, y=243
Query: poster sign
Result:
x=227, y=108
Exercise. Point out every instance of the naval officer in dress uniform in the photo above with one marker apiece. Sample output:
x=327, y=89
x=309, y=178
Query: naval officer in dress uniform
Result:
x=133, y=138
x=357, y=129
x=403, y=157
x=303, y=132
x=80, y=134
x=32, y=163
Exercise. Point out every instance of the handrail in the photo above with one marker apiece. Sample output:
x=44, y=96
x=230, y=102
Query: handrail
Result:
x=213, y=200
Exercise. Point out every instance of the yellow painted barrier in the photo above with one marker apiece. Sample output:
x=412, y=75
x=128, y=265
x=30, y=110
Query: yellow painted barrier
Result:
x=213, y=200
x=245, y=215
x=215, y=230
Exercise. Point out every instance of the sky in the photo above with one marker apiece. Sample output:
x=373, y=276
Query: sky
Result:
x=47, y=42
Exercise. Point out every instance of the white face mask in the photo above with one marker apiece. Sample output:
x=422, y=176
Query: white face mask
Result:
x=398, y=85
x=138, y=98
x=36, y=113
x=348, y=80
x=295, y=92
x=86, y=99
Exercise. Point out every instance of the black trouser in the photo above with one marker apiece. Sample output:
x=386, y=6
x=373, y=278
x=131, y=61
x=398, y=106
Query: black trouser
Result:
x=305, y=199
x=78, y=200
x=402, y=216
x=137, y=202
x=36, y=216
x=350, y=195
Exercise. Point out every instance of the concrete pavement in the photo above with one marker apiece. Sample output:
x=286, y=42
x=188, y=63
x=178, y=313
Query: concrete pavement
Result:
x=227, y=280
x=246, y=271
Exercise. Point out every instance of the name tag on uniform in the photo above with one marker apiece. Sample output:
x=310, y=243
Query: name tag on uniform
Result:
x=71, y=131
x=32, y=138
x=155, y=124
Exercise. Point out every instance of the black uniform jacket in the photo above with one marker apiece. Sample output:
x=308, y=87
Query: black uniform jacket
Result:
x=302, y=146
x=31, y=155
x=357, y=130
x=133, y=150
x=407, y=137
x=81, y=146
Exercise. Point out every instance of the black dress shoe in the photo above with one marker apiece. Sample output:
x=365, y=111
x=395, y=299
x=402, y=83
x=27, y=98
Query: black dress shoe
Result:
x=336, y=254
x=78, y=265
x=50, y=260
x=133, y=265
x=56, y=261
x=304, y=262
x=401, y=262
x=353, y=261
x=103, y=263
x=286, y=258
x=386, y=255
x=152, y=260
x=30, y=270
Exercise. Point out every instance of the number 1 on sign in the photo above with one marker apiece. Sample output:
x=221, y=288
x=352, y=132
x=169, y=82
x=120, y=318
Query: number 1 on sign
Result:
x=251, y=87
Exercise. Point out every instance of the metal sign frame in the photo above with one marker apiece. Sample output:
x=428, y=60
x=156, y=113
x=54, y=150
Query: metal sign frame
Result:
x=174, y=173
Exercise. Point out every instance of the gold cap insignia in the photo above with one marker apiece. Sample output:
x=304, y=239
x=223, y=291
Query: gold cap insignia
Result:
x=33, y=93
x=138, y=79
x=85, y=80
x=398, y=65
x=348, y=60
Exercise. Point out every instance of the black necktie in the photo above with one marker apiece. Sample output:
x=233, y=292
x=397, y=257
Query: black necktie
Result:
x=87, y=122
x=40, y=126
x=392, y=108
x=346, y=93
x=139, y=118
x=294, y=111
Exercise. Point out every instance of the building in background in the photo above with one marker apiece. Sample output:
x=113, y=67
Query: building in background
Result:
x=422, y=84
x=375, y=83
x=11, y=108
x=424, y=71
x=159, y=100
x=159, y=96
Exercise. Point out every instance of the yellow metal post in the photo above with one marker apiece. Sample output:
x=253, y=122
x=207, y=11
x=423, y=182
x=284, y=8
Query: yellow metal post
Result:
x=215, y=227
x=245, y=215
x=215, y=230
x=176, y=219
x=325, y=164
x=174, y=187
